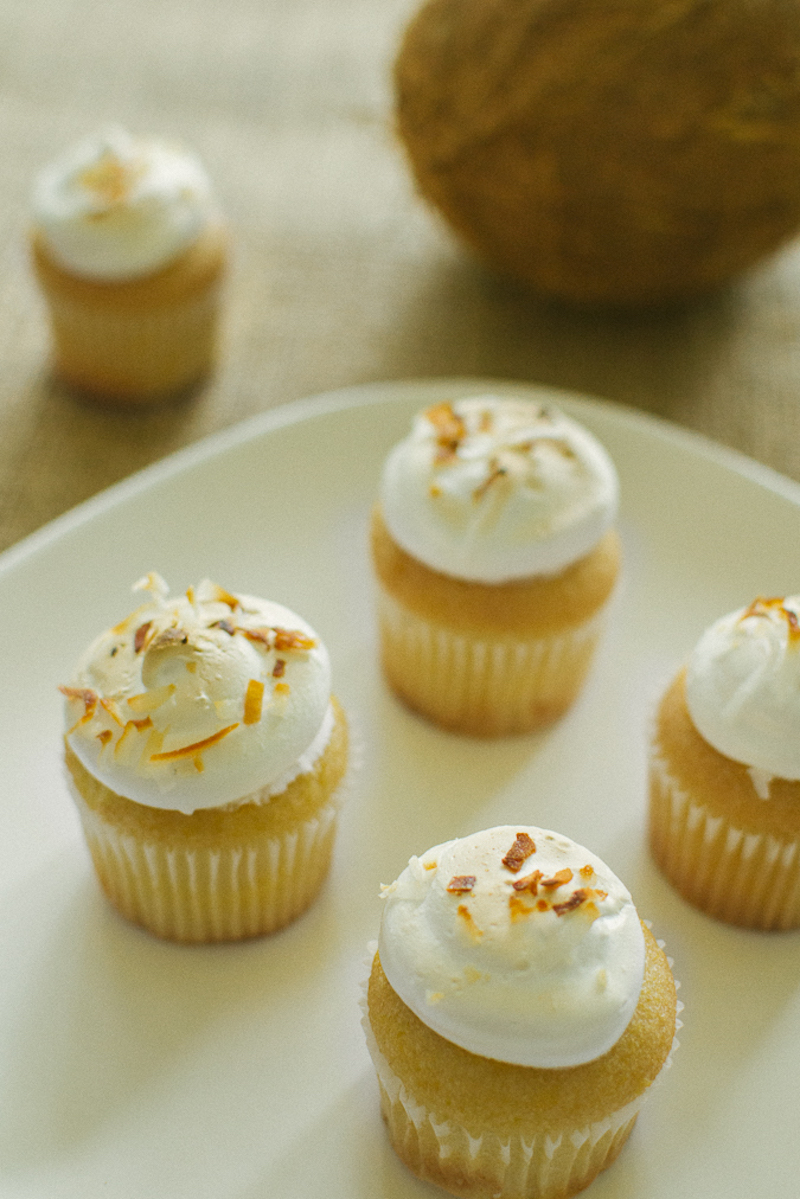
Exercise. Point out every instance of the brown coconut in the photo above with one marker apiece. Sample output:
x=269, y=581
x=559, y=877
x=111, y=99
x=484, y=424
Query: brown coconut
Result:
x=631, y=152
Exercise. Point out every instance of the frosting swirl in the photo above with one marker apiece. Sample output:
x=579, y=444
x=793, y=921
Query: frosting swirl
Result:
x=198, y=701
x=743, y=686
x=516, y=944
x=491, y=489
x=117, y=207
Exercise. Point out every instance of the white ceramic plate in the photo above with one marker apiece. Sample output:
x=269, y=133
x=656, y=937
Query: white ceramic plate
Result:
x=132, y=1068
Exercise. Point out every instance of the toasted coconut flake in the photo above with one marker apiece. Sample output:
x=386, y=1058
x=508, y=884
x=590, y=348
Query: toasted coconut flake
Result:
x=282, y=688
x=149, y=701
x=496, y=471
x=224, y=597
x=450, y=430
x=170, y=637
x=104, y=736
x=764, y=604
x=461, y=884
x=575, y=900
x=189, y=751
x=529, y=883
x=225, y=625
x=519, y=852
x=85, y=694
x=559, y=878
x=140, y=636
x=292, y=639
x=153, y=583
x=152, y=745
x=261, y=636
x=109, y=706
x=253, y=701
x=127, y=739
x=279, y=669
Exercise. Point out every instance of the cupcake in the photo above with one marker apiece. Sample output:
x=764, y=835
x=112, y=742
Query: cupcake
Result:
x=517, y=1013
x=495, y=555
x=129, y=250
x=206, y=756
x=725, y=770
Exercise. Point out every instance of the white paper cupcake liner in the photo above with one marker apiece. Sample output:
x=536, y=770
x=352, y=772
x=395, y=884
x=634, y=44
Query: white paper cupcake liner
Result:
x=537, y=1166
x=196, y=894
x=744, y=878
x=482, y=685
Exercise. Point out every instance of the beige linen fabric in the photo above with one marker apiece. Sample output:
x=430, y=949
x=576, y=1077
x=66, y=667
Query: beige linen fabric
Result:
x=340, y=273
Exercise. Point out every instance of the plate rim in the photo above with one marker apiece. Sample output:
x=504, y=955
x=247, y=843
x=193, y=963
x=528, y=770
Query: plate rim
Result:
x=357, y=395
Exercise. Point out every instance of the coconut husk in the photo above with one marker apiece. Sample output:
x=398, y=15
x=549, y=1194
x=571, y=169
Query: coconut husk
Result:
x=636, y=152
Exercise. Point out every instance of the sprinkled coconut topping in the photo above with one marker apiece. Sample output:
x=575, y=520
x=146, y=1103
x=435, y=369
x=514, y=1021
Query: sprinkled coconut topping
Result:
x=491, y=489
x=539, y=969
x=743, y=688
x=196, y=701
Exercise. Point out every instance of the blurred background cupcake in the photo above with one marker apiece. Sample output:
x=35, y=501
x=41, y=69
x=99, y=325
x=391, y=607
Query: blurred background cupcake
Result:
x=129, y=250
x=206, y=756
x=517, y=1014
x=495, y=554
x=725, y=769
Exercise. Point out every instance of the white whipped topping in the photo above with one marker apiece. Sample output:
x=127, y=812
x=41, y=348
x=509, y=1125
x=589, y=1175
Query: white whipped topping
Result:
x=743, y=688
x=197, y=701
x=116, y=207
x=508, y=973
x=491, y=489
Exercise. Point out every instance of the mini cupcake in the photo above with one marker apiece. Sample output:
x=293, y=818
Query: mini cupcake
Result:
x=725, y=770
x=517, y=1014
x=129, y=250
x=206, y=756
x=495, y=557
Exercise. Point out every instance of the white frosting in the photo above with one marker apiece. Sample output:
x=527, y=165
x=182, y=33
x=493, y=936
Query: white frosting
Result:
x=231, y=695
x=490, y=489
x=116, y=207
x=743, y=688
x=498, y=970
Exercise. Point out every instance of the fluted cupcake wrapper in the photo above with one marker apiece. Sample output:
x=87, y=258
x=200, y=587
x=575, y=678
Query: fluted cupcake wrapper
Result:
x=480, y=685
x=539, y=1165
x=748, y=879
x=197, y=894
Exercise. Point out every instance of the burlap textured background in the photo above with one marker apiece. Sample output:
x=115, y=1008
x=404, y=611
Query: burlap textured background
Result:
x=340, y=274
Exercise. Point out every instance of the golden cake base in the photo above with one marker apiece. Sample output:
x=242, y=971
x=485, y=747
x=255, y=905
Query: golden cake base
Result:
x=727, y=851
x=137, y=341
x=220, y=874
x=483, y=1129
x=489, y=660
